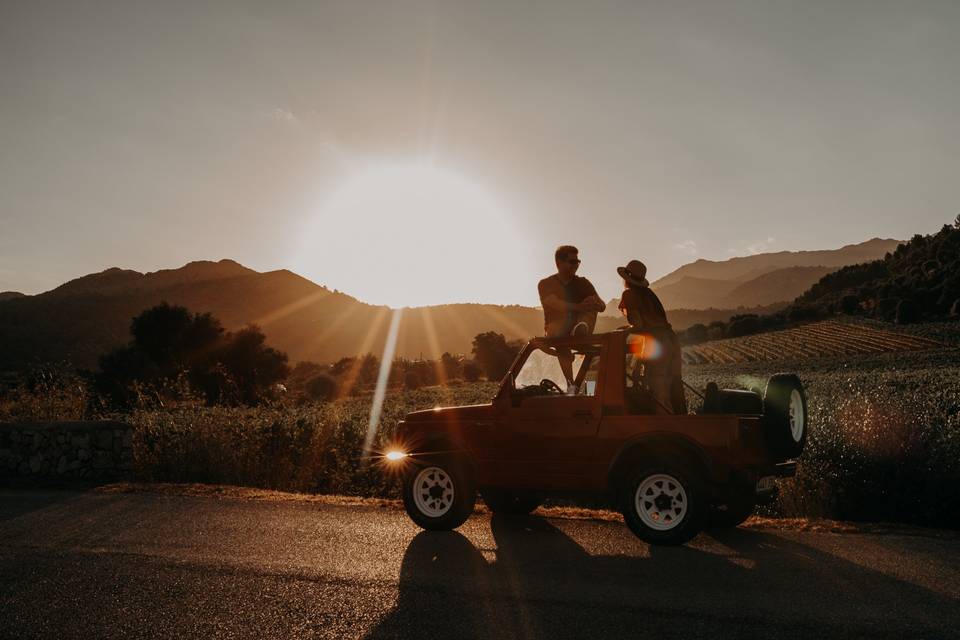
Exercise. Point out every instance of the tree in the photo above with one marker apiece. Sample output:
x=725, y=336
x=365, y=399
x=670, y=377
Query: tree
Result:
x=493, y=355
x=171, y=336
x=171, y=345
x=471, y=372
x=849, y=305
x=907, y=312
x=743, y=325
x=451, y=366
x=411, y=380
x=253, y=366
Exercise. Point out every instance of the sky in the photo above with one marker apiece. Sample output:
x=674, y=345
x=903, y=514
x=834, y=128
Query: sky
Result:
x=413, y=153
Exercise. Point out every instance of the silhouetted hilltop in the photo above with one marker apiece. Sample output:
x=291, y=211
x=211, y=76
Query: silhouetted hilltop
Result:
x=10, y=295
x=919, y=278
x=89, y=316
x=759, y=280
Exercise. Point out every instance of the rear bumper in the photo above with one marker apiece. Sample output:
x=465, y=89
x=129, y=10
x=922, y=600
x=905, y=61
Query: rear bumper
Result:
x=782, y=470
x=785, y=469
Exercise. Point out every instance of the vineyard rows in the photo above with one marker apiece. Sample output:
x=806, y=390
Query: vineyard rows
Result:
x=821, y=339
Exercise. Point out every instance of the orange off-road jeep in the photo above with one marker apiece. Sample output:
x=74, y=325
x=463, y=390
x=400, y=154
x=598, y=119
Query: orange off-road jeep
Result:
x=670, y=475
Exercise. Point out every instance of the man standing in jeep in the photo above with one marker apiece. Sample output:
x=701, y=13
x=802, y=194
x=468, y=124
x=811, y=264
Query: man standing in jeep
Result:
x=570, y=304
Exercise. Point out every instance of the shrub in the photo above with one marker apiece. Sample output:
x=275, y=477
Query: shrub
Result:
x=849, y=305
x=695, y=334
x=743, y=326
x=322, y=387
x=906, y=312
x=471, y=372
x=411, y=380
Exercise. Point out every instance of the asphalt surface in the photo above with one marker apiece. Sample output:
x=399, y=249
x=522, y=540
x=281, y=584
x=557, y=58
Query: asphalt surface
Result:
x=92, y=565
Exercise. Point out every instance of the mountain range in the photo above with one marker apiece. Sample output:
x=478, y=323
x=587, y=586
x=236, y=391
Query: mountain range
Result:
x=761, y=279
x=86, y=317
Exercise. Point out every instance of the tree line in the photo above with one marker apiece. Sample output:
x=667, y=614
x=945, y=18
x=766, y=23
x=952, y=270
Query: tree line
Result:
x=174, y=354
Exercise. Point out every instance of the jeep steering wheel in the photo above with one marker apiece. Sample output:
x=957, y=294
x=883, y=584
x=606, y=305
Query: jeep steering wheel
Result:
x=550, y=386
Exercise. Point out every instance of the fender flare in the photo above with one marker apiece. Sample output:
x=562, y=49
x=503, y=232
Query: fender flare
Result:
x=442, y=444
x=651, y=442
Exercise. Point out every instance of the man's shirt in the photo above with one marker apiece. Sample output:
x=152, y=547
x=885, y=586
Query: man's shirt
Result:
x=577, y=290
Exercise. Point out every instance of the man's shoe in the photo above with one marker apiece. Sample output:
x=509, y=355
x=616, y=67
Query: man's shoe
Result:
x=580, y=329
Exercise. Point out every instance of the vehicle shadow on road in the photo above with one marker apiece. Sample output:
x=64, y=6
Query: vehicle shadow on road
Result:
x=539, y=582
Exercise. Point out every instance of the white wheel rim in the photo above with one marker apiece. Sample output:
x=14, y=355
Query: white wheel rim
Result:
x=796, y=415
x=433, y=492
x=661, y=502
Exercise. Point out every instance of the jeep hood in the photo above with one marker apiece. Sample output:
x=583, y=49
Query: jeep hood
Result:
x=451, y=414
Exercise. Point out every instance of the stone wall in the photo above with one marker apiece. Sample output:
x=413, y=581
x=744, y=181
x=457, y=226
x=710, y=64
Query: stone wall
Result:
x=96, y=450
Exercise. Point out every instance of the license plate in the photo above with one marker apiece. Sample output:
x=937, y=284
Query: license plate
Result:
x=767, y=483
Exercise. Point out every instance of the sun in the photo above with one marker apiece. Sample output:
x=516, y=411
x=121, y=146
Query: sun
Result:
x=413, y=235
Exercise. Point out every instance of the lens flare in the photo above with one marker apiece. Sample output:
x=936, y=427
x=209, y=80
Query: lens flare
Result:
x=386, y=361
x=644, y=346
x=393, y=456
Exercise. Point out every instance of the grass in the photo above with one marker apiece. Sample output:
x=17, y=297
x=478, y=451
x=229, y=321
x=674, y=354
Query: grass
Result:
x=883, y=445
x=884, y=438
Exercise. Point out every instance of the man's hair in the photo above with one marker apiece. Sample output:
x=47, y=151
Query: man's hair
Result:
x=563, y=252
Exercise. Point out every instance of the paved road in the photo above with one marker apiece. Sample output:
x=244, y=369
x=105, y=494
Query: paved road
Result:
x=89, y=564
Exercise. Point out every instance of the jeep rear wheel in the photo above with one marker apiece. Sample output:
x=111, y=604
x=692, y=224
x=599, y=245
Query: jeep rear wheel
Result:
x=662, y=503
x=508, y=502
x=439, y=493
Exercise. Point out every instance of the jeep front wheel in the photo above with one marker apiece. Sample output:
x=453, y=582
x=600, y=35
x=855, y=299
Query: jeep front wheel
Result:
x=439, y=493
x=663, y=504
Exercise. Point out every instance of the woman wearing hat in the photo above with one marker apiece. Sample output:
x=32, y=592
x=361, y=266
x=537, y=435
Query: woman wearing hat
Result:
x=661, y=358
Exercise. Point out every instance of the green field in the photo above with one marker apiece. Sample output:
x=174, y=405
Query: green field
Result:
x=884, y=441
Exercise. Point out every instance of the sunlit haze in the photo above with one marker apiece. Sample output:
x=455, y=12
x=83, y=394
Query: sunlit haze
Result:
x=412, y=152
x=413, y=235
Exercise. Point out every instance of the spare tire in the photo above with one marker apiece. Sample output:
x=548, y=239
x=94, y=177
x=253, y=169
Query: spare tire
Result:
x=785, y=415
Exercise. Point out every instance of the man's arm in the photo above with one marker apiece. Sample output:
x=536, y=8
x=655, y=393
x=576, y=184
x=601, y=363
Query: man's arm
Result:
x=554, y=303
x=550, y=300
x=592, y=302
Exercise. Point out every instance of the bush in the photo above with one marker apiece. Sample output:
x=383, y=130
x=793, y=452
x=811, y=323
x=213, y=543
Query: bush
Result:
x=695, y=334
x=849, y=305
x=471, y=372
x=887, y=307
x=907, y=312
x=322, y=387
x=411, y=380
x=743, y=326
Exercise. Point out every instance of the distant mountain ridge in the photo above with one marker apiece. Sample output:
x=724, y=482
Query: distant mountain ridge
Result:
x=762, y=279
x=749, y=267
x=88, y=316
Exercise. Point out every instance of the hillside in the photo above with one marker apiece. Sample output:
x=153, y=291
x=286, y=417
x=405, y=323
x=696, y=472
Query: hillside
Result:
x=921, y=278
x=88, y=316
x=761, y=279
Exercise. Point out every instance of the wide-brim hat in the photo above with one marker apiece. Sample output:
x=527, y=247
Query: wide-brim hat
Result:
x=634, y=273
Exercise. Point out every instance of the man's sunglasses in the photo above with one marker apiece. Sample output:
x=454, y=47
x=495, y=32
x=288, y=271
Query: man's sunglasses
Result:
x=574, y=261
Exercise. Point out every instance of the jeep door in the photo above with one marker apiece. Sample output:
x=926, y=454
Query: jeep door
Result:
x=550, y=437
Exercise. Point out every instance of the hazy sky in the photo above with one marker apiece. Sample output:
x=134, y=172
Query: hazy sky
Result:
x=419, y=152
